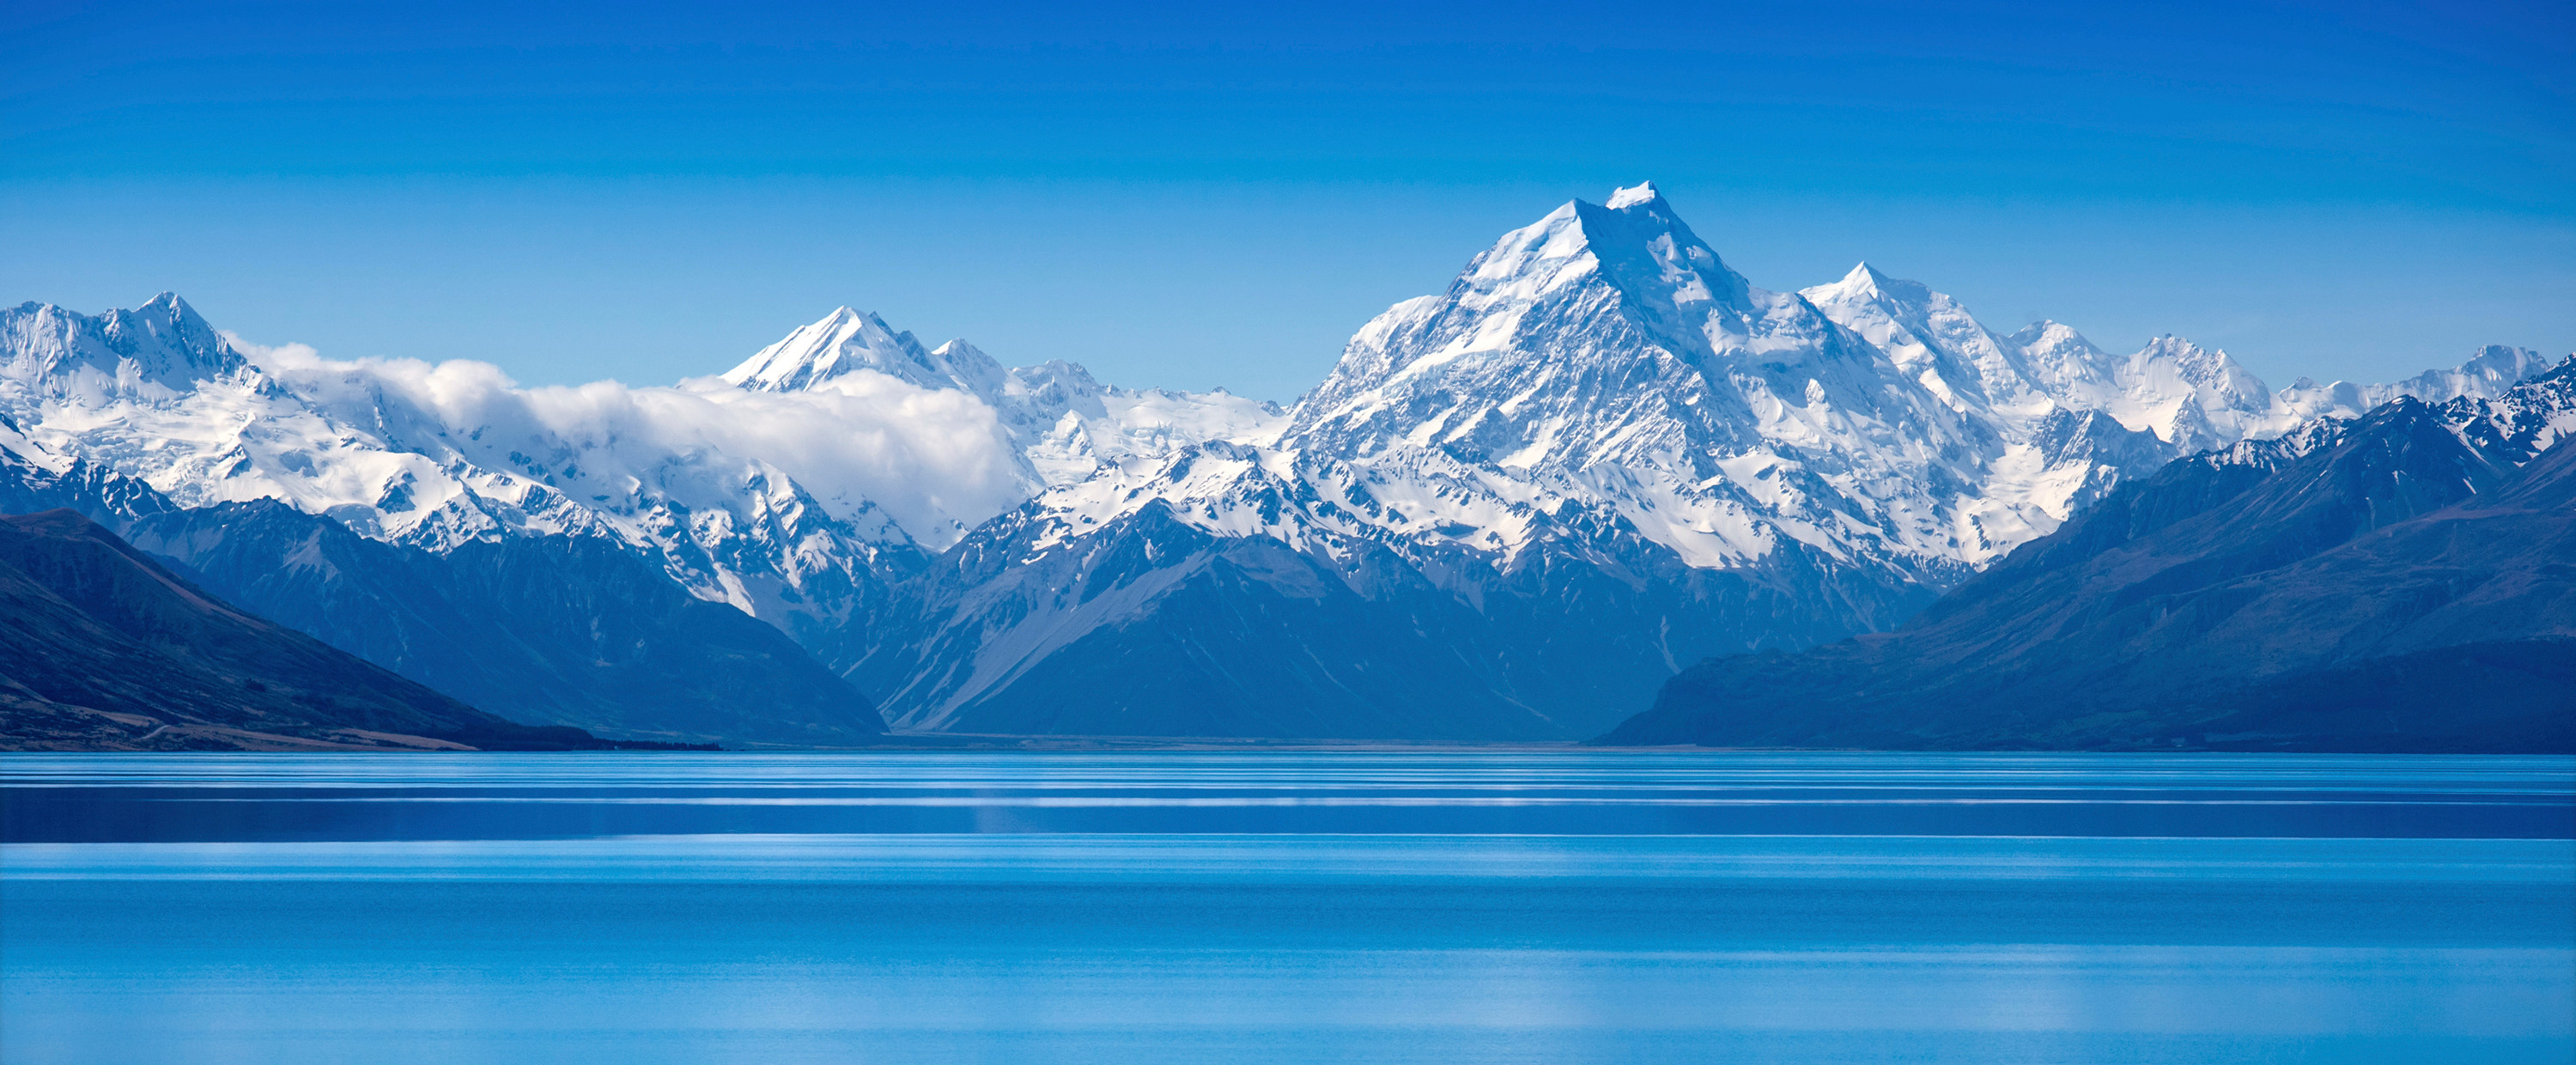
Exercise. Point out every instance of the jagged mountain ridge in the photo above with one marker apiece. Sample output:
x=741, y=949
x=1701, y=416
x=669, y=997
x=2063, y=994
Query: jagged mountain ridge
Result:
x=2187, y=397
x=549, y=629
x=2489, y=374
x=1597, y=412
x=1064, y=424
x=438, y=458
x=2401, y=581
x=1599, y=420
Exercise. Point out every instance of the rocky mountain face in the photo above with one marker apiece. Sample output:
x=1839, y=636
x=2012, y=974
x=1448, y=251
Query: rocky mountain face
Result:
x=2404, y=581
x=553, y=629
x=103, y=648
x=1511, y=510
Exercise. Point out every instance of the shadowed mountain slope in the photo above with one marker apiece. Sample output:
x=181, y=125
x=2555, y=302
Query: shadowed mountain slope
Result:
x=103, y=648
x=2403, y=582
x=554, y=629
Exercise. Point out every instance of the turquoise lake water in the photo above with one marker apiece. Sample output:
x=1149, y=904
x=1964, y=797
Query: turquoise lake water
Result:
x=1286, y=907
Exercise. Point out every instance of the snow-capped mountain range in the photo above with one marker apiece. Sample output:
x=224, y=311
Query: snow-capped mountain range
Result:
x=1599, y=419
x=694, y=475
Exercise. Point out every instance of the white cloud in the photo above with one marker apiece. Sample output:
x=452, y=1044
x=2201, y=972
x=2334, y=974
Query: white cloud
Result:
x=935, y=460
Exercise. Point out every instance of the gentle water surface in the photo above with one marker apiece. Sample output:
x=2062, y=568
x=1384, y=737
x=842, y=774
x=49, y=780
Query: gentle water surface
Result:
x=1290, y=907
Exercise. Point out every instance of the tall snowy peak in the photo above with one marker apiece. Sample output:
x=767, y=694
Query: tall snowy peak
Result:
x=1935, y=338
x=1605, y=361
x=1627, y=275
x=1614, y=334
x=156, y=394
x=1599, y=454
x=1064, y=423
x=2191, y=397
x=846, y=340
x=2194, y=397
x=154, y=352
x=2070, y=368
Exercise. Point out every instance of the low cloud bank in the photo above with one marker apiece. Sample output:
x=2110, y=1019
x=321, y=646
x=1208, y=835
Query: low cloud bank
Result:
x=937, y=461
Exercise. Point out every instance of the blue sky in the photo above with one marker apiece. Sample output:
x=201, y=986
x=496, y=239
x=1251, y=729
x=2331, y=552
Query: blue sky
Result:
x=1199, y=194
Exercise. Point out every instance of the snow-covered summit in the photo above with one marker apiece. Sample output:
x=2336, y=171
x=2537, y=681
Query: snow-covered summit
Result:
x=1642, y=192
x=154, y=352
x=156, y=394
x=1604, y=357
x=1935, y=339
x=845, y=341
x=2188, y=396
x=1064, y=423
x=2488, y=374
x=1594, y=334
x=2194, y=397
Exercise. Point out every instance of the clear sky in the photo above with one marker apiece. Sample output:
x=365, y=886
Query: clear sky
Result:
x=1206, y=193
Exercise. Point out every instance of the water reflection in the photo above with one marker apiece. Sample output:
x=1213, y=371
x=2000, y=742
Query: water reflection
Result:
x=255, y=797
x=1287, y=907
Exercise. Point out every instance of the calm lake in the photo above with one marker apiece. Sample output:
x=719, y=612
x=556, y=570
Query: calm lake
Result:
x=1286, y=907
